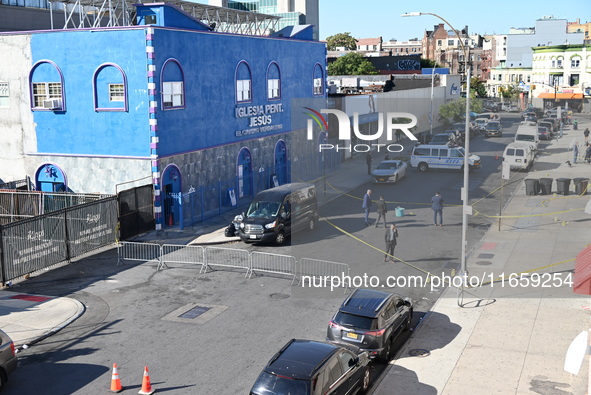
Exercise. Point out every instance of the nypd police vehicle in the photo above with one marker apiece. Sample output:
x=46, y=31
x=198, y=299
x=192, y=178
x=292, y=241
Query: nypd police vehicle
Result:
x=425, y=157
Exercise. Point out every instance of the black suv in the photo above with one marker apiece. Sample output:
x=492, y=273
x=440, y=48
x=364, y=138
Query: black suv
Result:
x=371, y=320
x=306, y=367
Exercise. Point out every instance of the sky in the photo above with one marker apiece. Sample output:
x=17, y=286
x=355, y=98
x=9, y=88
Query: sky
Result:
x=375, y=18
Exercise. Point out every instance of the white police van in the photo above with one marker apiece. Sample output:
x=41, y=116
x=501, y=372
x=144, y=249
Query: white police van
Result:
x=425, y=157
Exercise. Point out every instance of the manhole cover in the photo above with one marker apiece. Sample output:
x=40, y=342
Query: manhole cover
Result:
x=484, y=263
x=195, y=312
x=419, y=352
x=279, y=296
x=486, y=256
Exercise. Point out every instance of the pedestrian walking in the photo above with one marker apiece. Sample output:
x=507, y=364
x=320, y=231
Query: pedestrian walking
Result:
x=367, y=205
x=368, y=159
x=588, y=153
x=586, y=134
x=390, y=239
x=381, y=210
x=437, y=207
x=576, y=124
x=575, y=151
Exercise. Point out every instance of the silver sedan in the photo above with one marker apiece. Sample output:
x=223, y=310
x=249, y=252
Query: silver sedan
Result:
x=389, y=171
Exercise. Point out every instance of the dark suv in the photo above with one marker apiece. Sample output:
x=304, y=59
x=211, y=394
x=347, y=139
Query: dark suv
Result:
x=306, y=367
x=371, y=320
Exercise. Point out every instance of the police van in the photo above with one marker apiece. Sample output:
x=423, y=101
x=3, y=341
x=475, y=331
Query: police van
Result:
x=425, y=157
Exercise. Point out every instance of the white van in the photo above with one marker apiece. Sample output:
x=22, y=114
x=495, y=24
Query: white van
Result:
x=425, y=157
x=519, y=156
x=528, y=133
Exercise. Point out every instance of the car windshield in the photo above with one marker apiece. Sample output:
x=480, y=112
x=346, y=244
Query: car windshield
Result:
x=387, y=165
x=269, y=384
x=525, y=137
x=263, y=210
x=356, y=321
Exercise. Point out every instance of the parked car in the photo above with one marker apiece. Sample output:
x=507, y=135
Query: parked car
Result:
x=461, y=127
x=306, y=367
x=447, y=137
x=544, y=133
x=8, y=359
x=493, y=128
x=481, y=123
x=371, y=320
x=519, y=155
x=554, y=121
x=425, y=157
x=274, y=214
x=389, y=171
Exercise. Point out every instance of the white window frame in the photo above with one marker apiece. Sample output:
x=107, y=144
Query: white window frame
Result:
x=116, y=92
x=575, y=63
x=318, y=86
x=273, y=91
x=4, y=94
x=243, y=90
x=48, y=88
x=172, y=94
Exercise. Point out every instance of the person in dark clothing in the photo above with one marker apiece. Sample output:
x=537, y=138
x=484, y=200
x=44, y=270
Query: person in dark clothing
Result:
x=390, y=239
x=437, y=207
x=586, y=134
x=588, y=153
x=381, y=210
x=368, y=159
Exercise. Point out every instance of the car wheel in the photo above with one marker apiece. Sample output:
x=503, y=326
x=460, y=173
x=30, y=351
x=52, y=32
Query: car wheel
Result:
x=365, y=382
x=423, y=167
x=408, y=322
x=385, y=357
x=280, y=238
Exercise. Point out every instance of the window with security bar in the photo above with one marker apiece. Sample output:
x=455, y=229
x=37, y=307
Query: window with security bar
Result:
x=4, y=94
x=116, y=92
x=45, y=91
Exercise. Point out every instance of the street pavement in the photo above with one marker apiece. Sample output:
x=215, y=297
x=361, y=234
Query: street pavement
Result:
x=502, y=337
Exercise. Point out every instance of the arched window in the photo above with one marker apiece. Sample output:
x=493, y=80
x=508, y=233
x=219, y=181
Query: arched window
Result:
x=273, y=81
x=243, y=83
x=318, y=80
x=110, y=88
x=46, y=87
x=172, y=87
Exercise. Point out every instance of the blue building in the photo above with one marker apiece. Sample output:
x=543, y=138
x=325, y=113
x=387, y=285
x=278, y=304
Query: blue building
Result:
x=167, y=101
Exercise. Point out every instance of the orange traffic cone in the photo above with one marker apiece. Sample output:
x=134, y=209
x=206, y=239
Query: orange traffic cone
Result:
x=115, y=382
x=146, y=386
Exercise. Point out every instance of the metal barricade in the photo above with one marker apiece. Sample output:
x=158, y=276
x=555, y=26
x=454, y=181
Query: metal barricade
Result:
x=227, y=257
x=309, y=267
x=144, y=252
x=174, y=253
x=273, y=263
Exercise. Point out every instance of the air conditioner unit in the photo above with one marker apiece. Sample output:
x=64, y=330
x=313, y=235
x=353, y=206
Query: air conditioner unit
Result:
x=52, y=104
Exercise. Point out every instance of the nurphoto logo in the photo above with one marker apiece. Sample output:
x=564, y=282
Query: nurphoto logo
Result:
x=389, y=122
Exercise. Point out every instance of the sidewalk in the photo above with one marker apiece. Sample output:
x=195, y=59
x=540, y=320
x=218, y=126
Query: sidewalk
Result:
x=509, y=338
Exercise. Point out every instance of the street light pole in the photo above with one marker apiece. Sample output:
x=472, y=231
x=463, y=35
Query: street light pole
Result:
x=466, y=209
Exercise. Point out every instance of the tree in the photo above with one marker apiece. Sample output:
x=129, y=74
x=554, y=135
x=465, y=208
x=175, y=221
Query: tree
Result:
x=351, y=64
x=428, y=63
x=478, y=87
x=509, y=92
x=341, y=40
x=453, y=111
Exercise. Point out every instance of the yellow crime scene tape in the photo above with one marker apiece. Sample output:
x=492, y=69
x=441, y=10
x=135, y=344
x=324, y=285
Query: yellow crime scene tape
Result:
x=428, y=274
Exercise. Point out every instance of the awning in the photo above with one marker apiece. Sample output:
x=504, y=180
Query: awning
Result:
x=582, y=278
x=551, y=95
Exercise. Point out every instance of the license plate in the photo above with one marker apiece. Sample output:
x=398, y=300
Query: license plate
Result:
x=352, y=335
x=381, y=179
x=518, y=160
x=253, y=236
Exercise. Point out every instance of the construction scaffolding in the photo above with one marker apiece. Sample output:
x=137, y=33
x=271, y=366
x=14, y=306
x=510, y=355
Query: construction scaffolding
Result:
x=112, y=13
